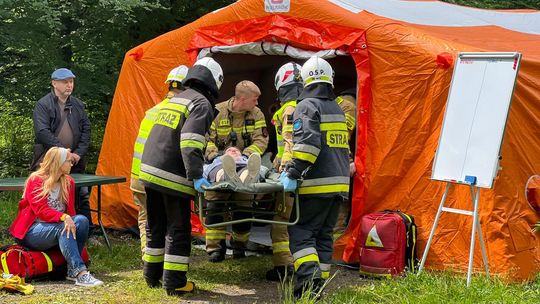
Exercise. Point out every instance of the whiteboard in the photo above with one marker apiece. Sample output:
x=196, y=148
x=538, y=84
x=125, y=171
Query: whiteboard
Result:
x=475, y=117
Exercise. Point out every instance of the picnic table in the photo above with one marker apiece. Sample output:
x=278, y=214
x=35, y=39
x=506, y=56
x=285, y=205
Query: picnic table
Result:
x=81, y=180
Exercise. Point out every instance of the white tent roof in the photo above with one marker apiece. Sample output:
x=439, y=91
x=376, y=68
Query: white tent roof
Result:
x=438, y=13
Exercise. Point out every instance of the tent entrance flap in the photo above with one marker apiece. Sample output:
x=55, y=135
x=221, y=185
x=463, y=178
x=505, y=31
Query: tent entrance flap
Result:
x=269, y=48
x=262, y=69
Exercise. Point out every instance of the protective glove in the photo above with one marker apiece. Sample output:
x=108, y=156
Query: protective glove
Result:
x=289, y=184
x=199, y=183
x=352, y=169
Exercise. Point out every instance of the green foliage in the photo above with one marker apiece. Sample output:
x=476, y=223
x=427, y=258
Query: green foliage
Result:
x=436, y=287
x=90, y=37
x=498, y=4
x=16, y=141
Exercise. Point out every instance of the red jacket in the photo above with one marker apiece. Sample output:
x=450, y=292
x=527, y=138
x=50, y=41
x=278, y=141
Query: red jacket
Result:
x=32, y=208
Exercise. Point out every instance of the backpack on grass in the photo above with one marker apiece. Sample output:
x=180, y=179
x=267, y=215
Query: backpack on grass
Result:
x=387, y=244
x=29, y=264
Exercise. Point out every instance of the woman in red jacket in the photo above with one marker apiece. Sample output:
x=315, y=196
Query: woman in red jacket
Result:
x=47, y=217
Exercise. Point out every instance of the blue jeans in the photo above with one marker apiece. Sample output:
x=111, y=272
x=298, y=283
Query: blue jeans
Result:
x=43, y=236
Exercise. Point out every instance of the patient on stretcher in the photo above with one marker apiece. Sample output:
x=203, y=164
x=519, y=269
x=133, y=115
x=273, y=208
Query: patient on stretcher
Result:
x=235, y=168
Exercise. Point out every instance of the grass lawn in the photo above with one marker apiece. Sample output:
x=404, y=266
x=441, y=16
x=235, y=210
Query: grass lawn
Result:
x=242, y=281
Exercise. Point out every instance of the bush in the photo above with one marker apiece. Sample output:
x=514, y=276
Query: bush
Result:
x=16, y=141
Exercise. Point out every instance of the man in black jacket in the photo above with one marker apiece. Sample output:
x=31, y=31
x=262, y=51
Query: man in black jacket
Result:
x=61, y=121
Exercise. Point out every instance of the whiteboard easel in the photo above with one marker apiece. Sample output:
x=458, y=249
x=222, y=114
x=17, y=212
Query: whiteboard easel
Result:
x=474, y=122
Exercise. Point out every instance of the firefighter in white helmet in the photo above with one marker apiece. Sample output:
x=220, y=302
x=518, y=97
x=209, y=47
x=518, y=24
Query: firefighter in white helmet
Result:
x=289, y=85
x=174, y=81
x=320, y=161
x=172, y=171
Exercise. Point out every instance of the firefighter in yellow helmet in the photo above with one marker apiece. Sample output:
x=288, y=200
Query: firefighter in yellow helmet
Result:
x=239, y=123
x=174, y=80
x=172, y=171
x=289, y=85
x=320, y=171
x=347, y=102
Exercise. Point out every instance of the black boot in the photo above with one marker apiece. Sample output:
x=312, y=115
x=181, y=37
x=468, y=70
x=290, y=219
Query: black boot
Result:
x=238, y=254
x=216, y=256
x=279, y=273
x=311, y=288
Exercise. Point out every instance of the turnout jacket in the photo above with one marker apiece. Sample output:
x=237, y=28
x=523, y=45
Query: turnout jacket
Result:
x=138, y=148
x=321, y=144
x=173, y=153
x=249, y=128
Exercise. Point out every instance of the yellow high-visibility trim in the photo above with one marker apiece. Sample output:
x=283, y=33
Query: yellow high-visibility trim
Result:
x=308, y=258
x=49, y=262
x=190, y=143
x=313, y=78
x=175, y=107
x=215, y=234
x=325, y=275
x=333, y=126
x=304, y=156
x=337, y=139
x=168, y=118
x=241, y=237
x=255, y=149
x=280, y=247
x=175, y=267
x=260, y=124
x=165, y=183
x=286, y=156
x=153, y=258
x=211, y=145
x=323, y=189
x=287, y=128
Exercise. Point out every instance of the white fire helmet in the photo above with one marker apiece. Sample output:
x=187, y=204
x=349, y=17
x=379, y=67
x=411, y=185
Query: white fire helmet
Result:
x=177, y=74
x=287, y=74
x=214, y=68
x=317, y=70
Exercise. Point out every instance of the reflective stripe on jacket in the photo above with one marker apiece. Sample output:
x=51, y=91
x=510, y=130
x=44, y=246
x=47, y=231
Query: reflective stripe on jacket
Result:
x=248, y=125
x=348, y=106
x=321, y=140
x=144, y=130
x=173, y=152
x=283, y=133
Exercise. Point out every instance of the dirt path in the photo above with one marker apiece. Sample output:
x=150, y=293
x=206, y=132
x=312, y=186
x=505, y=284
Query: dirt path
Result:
x=255, y=291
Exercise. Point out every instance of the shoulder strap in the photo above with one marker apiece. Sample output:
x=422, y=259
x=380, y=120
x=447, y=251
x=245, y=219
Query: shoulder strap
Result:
x=62, y=122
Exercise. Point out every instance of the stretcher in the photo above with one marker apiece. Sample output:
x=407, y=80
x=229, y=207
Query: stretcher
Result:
x=260, y=206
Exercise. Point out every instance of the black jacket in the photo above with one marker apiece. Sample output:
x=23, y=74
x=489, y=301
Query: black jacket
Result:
x=47, y=119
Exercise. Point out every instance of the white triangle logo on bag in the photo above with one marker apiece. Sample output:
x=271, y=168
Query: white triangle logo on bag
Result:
x=373, y=239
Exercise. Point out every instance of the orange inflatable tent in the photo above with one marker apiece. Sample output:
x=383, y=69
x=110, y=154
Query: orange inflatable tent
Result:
x=399, y=55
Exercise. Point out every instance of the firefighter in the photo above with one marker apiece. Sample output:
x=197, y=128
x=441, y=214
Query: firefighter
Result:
x=239, y=123
x=320, y=170
x=289, y=86
x=347, y=102
x=174, y=81
x=171, y=167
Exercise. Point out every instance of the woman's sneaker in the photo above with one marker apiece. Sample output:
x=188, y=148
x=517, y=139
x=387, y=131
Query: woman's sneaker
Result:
x=87, y=280
x=69, y=278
